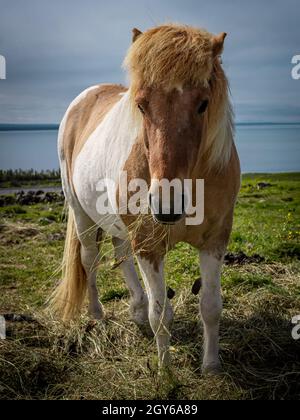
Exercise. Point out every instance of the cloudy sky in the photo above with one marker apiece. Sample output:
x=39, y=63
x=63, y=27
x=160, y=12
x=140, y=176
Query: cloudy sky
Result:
x=56, y=48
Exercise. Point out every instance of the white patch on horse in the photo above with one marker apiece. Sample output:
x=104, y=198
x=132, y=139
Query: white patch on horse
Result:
x=103, y=157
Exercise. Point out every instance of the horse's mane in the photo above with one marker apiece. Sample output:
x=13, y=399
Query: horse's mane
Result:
x=171, y=56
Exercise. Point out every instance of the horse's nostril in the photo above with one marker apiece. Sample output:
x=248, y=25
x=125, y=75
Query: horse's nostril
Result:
x=150, y=199
x=168, y=218
x=170, y=213
x=184, y=202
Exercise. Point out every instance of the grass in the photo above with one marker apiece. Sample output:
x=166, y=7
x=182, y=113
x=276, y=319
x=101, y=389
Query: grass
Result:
x=115, y=360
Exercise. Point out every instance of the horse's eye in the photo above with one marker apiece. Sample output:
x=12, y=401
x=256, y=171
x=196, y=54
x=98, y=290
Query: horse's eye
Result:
x=202, y=107
x=141, y=109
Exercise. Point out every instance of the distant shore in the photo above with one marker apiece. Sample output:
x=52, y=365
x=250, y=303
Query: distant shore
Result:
x=28, y=127
x=55, y=126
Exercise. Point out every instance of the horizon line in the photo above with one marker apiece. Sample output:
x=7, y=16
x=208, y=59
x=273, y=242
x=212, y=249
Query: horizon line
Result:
x=55, y=126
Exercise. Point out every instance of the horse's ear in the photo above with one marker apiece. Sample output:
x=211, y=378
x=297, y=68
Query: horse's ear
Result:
x=135, y=34
x=218, y=43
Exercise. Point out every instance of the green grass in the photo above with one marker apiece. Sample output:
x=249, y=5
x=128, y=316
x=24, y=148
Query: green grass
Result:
x=115, y=360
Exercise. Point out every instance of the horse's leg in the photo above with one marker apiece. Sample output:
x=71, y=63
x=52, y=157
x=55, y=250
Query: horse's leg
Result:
x=160, y=310
x=88, y=235
x=139, y=301
x=211, y=308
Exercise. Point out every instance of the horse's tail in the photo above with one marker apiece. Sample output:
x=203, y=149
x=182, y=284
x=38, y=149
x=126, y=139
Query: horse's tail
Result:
x=66, y=301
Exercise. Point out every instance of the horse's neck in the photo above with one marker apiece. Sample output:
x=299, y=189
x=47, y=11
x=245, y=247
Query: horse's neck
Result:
x=116, y=136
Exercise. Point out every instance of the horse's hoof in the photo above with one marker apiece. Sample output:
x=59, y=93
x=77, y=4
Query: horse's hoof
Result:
x=98, y=317
x=139, y=313
x=96, y=314
x=139, y=319
x=146, y=330
x=213, y=369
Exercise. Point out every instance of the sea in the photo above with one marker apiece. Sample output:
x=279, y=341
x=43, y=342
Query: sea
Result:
x=262, y=147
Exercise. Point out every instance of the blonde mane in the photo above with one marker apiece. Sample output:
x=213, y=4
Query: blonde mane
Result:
x=172, y=56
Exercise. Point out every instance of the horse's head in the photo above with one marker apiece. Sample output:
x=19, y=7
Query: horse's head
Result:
x=172, y=70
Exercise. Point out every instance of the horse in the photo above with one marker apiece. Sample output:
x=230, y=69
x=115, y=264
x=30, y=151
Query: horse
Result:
x=174, y=121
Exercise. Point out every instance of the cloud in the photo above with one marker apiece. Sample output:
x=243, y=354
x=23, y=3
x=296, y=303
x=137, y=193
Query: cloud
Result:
x=56, y=49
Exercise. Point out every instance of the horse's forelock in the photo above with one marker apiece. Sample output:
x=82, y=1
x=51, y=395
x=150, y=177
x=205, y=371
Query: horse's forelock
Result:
x=169, y=56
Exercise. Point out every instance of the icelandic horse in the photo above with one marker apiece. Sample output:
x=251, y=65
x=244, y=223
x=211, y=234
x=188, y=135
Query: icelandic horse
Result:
x=175, y=121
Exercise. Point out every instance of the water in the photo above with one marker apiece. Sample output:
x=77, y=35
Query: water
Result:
x=269, y=148
x=28, y=149
x=262, y=148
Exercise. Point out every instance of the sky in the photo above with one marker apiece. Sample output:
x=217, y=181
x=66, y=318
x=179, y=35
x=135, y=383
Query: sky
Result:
x=54, y=49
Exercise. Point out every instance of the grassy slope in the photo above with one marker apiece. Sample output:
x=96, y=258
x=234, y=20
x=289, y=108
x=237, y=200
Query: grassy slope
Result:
x=114, y=360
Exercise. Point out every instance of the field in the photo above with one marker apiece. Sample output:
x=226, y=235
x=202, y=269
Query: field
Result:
x=114, y=359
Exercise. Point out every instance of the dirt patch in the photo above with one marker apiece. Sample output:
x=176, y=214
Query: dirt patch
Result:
x=240, y=258
x=15, y=233
x=263, y=185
